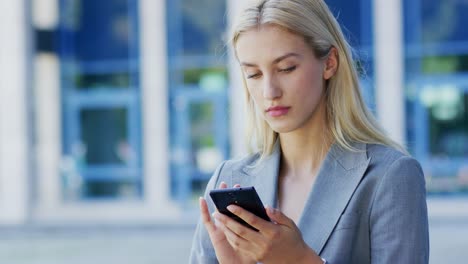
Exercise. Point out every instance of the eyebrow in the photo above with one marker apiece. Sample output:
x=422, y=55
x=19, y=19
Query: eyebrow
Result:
x=276, y=61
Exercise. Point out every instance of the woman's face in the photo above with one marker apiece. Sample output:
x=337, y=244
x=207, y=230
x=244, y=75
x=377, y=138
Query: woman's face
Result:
x=283, y=76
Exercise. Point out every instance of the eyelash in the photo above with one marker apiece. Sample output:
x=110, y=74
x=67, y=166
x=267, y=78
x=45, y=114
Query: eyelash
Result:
x=287, y=70
x=290, y=69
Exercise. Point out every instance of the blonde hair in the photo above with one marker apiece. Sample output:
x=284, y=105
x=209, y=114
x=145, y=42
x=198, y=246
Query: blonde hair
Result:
x=347, y=117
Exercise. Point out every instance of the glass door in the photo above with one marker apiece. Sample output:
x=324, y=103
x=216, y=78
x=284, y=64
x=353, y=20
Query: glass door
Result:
x=98, y=52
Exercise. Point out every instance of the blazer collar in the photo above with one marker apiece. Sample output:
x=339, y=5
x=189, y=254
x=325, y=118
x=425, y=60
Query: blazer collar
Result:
x=264, y=176
x=338, y=177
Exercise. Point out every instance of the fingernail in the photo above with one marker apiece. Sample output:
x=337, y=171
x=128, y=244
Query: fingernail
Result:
x=270, y=209
x=231, y=208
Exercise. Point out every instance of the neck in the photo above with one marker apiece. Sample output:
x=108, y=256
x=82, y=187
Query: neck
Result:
x=304, y=149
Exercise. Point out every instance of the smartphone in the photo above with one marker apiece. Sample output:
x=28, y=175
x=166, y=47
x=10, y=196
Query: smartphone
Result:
x=245, y=197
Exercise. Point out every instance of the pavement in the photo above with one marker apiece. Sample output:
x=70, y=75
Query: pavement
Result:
x=126, y=245
x=170, y=244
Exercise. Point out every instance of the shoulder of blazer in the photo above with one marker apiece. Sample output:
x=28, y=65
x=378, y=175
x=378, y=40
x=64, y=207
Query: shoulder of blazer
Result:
x=384, y=155
x=249, y=160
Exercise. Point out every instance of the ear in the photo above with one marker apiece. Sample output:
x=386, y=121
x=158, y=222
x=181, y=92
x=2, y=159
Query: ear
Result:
x=331, y=64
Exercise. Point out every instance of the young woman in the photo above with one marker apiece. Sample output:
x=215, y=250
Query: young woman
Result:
x=338, y=189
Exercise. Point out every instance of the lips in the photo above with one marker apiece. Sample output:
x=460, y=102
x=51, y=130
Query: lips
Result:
x=277, y=111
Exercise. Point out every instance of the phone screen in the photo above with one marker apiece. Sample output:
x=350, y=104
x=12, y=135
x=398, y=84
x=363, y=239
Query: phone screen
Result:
x=245, y=197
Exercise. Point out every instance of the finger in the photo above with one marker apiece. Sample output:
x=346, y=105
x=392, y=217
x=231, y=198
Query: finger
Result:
x=236, y=241
x=205, y=216
x=278, y=217
x=236, y=227
x=237, y=186
x=245, y=247
x=239, y=229
x=223, y=185
x=250, y=218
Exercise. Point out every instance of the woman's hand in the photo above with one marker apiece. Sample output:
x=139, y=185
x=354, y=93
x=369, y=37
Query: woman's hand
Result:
x=279, y=241
x=224, y=251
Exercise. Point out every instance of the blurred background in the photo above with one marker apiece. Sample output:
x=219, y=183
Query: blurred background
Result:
x=114, y=114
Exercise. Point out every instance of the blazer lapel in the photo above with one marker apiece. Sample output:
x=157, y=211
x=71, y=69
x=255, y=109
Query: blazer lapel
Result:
x=339, y=175
x=263, y=176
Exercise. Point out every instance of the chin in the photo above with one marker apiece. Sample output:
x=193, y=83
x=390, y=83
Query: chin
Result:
x=282, y=128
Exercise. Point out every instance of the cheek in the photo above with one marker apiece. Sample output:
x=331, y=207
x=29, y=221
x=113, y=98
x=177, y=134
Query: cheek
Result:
x=308, y=86
x=315, y=80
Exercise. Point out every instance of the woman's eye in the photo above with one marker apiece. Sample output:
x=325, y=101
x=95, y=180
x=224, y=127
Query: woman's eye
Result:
x=253, y=76
x=290, y=69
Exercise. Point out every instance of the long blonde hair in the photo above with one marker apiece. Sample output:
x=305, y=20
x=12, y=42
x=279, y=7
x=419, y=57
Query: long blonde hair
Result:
x=348, y=118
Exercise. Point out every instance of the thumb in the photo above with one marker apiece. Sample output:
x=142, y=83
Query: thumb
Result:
x=277, y=216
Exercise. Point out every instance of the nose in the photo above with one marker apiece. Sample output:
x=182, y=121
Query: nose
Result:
x=271, y=88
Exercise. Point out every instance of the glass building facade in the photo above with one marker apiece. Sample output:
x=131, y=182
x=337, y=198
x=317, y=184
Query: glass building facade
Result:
x=98, y=49
x=97, y=45
x=436, y=56
x=131, y=102
x=198, y=86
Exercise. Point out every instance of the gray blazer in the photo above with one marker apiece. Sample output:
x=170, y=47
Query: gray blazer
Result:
x=365, y=207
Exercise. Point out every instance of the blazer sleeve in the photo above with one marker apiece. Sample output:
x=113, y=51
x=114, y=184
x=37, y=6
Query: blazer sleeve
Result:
x=202, y=251
x=399, y=230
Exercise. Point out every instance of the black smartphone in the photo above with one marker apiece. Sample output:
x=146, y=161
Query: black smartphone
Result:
x=245, y=197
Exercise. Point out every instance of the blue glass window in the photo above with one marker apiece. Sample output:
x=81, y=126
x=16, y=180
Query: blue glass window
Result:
x=198, y=93
x=203, y=24
x=436, y=69
x=104, y=133
x=354, y=16
x=98, y=50
x=444, y=21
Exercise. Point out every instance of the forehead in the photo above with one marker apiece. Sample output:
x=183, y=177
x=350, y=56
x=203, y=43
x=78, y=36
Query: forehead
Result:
x=268, y=42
